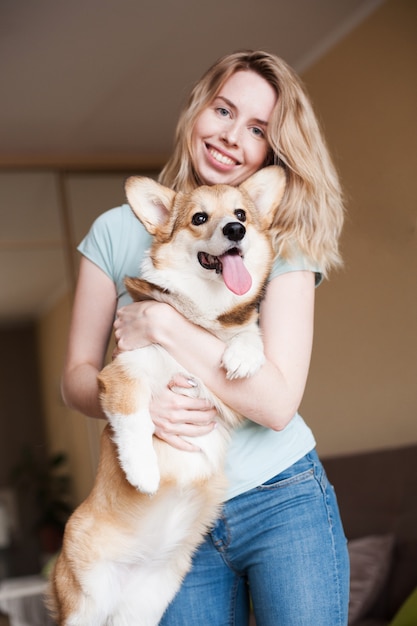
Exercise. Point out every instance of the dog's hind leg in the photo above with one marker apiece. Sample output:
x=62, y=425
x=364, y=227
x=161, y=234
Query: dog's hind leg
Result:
x=148, y=595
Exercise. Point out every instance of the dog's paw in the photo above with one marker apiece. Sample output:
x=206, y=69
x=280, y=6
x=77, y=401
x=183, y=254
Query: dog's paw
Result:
x=133, y=436
x=141, y=469
x=241, y=361
x=145, y=482
x=140, y=465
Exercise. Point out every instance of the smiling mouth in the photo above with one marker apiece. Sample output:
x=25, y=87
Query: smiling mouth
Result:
x=221, y=158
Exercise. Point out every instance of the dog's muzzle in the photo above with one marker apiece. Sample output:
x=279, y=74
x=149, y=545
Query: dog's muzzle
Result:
x=230, y=264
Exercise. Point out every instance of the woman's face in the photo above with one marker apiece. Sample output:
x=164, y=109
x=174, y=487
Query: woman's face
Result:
x=228, y=141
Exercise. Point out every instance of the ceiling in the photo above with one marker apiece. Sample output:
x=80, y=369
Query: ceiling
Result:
x=97, y=84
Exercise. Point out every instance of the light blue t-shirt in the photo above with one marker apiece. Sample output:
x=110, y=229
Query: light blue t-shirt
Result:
x=116, y=243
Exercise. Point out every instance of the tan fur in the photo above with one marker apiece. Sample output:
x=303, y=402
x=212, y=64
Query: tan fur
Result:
x=120, y=389
x=129, y=545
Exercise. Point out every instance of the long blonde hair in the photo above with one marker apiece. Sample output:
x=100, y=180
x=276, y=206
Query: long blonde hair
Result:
x=310, y=216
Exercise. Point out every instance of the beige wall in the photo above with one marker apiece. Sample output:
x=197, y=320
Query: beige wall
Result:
x=65, y=430
x=362, y=388
x=362, y=391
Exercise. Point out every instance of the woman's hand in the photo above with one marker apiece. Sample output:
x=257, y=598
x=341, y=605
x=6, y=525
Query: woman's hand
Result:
x=176, y=413
x=135, y=324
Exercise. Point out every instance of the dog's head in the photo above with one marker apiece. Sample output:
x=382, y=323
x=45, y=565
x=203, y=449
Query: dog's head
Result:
x=219, y=231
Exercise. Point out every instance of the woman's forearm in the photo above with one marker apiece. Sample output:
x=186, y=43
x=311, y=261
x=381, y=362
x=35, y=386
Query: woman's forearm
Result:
x=91, y=326
x=80, y=391
x=263, y=398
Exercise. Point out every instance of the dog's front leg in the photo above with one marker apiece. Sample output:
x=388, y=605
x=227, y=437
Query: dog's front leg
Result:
x=244, y=354
x=125, y=398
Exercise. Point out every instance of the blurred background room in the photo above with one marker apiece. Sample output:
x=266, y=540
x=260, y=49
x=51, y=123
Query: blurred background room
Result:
x=90, y=93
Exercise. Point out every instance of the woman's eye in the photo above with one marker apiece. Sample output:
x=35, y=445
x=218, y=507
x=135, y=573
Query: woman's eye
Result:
x=241, y=215
x=258, y=132
x=199, y=218
x=222, y=111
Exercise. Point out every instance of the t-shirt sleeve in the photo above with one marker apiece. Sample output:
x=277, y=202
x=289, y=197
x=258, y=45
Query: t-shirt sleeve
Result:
x=98, y=244
x=116, y=243
x=297, y=262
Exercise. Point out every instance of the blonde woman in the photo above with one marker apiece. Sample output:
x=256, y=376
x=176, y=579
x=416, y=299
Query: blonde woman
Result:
x=279, y=537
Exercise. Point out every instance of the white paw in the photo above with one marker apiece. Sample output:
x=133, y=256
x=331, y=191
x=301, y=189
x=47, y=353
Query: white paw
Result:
x=142, y=470
x=242, y=360
x=133, y=436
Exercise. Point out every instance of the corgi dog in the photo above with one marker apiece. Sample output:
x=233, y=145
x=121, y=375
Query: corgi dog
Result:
x=128, y=546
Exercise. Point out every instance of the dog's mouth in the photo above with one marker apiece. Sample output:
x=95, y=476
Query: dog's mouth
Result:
x=232, y=268
x=210, y=262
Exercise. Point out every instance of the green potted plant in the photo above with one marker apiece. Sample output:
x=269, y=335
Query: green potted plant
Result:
x=46, y=484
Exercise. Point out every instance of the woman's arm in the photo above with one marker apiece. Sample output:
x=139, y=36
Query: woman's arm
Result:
x=272, y=396
x=91, y=325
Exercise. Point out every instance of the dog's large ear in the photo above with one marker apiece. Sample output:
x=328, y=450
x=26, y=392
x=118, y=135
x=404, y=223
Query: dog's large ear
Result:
x=150, y=201
x=266, y=189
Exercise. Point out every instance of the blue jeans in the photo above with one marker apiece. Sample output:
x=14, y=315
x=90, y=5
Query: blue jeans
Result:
x=282, y=543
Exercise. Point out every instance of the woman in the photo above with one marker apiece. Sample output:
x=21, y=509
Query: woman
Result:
x=279, y=534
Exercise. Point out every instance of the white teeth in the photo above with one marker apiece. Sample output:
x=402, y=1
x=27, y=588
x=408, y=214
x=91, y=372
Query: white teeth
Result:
x=221, y=158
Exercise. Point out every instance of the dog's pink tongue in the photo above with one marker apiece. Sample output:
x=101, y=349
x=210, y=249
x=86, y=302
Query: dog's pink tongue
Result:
x=235, y=274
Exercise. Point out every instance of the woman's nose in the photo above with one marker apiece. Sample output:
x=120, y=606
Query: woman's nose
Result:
x=231, y=134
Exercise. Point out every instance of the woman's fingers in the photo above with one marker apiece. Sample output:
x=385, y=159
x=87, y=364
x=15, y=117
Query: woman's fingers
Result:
x=176, y=416
x=191, y=424
x=184, y=385
x=179, y=443
x=174, y=434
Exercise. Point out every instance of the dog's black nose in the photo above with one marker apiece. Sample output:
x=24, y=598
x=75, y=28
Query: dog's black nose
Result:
x=234, y=231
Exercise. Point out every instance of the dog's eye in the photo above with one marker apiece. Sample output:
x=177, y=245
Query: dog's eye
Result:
x=241, y=215
x=199, y=218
